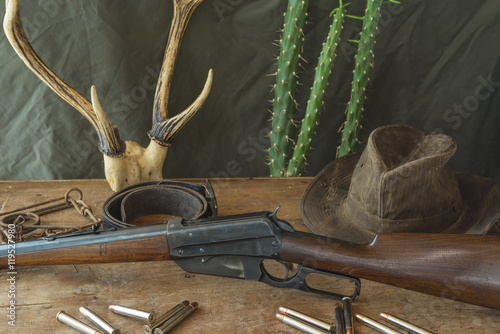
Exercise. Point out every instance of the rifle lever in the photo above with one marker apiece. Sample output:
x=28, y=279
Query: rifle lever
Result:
x=299, y=281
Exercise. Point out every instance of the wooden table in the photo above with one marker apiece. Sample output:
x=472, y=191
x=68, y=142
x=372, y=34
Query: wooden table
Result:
x=226, y=305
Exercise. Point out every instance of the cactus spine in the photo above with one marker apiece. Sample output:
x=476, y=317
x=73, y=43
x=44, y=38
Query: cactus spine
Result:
x=315, y=103
x=284, y=104
x=363, y=60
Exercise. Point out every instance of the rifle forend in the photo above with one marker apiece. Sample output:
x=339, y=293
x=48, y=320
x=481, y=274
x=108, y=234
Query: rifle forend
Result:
x=459, y=267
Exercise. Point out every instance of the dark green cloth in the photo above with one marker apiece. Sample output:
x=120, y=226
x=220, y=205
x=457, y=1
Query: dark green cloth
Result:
x=436, y=68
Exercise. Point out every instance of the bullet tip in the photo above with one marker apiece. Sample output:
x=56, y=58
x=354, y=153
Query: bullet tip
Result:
x=59, y=313
x=82, y=309
x=112, y=308
x=280, y=316
x=384, y=315
x=359, y=316
x=194, y=305
x=283, y=310
x=185, y=303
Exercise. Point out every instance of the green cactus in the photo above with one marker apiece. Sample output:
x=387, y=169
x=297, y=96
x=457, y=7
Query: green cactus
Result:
x=285, y=159
x=315, y=104
x=284, y=104
x=363, y=61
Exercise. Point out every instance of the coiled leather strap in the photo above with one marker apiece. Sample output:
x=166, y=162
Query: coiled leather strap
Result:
x=181, y=199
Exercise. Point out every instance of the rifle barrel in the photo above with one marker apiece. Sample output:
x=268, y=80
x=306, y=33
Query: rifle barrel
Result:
x=143, y=243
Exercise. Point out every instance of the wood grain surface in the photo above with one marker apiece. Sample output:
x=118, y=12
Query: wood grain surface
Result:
x=225, y=305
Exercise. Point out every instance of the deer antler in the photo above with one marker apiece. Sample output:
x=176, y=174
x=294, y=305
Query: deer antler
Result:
x=163, y=128
x=125, y=163
x=109, y=139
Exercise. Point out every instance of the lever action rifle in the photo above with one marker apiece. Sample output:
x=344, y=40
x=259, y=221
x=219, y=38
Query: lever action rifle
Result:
x=460, y=267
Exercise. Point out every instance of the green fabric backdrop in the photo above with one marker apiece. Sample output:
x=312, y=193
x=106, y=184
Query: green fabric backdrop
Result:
x=436, y=68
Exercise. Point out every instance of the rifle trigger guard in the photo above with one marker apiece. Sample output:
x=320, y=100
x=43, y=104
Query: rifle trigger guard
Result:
x=298, y=281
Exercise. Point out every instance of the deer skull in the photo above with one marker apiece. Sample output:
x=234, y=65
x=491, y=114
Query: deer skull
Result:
x=125, y=163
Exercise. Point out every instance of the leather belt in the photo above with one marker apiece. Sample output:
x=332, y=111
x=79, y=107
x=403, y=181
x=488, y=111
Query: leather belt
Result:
x=180, y=199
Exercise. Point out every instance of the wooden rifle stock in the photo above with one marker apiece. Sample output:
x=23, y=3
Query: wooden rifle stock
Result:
x=459, y=267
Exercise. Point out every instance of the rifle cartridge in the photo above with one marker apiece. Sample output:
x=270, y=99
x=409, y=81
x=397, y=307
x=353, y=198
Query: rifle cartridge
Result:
x=149, y=329
x=376, y=325
x=168, y=325
x=307, y=319
x=339, y=319
x=98, y=321
x=132, y=313
x=348, y=317
x=302, y=326
x=68, y=320
x=404, y=324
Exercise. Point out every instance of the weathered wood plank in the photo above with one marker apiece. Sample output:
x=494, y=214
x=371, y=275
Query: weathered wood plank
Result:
x=226, y=305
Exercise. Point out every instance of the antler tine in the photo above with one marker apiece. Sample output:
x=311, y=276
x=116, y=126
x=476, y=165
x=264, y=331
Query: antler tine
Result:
x=164, y=129
x=109, y=139
x=115, y=146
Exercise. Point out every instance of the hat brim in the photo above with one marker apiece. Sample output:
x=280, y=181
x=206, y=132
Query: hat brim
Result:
x=323, y=211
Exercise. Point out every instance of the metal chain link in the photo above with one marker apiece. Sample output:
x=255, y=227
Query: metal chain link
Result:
x=27, y=219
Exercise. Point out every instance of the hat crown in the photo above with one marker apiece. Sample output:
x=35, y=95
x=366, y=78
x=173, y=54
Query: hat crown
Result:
x=402, y=182
x=404, y=174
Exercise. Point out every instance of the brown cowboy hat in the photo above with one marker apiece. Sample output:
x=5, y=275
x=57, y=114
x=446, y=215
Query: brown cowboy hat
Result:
x=402, y=182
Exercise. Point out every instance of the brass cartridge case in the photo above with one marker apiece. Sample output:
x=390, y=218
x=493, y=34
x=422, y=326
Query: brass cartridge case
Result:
x=376, y=325
x=132, y=313
x=339, y=319
x=307, y=319
x=348, y=317
x=149, y=329
x=98, y=321
x=168, y=325
x=302, y=326
x=68, y=320
x=404, y=324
